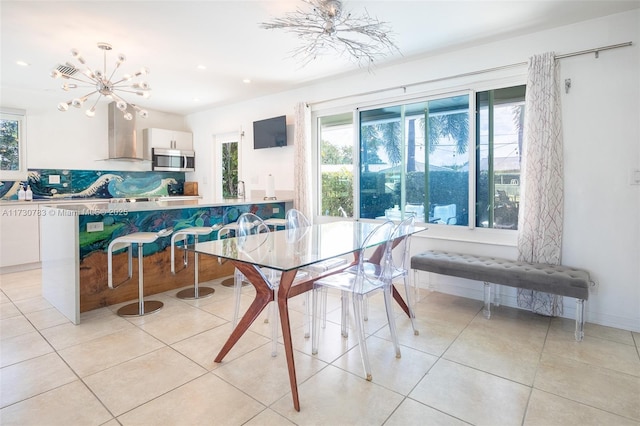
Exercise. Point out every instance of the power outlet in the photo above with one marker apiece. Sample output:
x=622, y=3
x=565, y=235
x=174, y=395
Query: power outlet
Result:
x=95, y=226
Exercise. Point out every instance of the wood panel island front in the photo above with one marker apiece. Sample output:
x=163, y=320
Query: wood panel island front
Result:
x=74, y=241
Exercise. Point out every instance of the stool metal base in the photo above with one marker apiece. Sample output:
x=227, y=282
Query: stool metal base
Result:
x=190, y=293
x=133, y=309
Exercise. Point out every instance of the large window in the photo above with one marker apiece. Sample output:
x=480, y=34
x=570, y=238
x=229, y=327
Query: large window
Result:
x=450, y=160
x=13, y=164
x=414, y=160
x=335, y=138
x=500, y=120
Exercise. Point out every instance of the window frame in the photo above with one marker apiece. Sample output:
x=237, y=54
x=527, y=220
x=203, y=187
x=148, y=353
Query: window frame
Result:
x=20, y=116
x=471, y=95
x=477, y=83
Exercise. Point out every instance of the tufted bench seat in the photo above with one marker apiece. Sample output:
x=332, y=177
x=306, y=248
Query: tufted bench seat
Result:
x=554, y=279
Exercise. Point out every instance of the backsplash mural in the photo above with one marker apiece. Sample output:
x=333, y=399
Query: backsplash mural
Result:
x=117, y=225
x=55, y=183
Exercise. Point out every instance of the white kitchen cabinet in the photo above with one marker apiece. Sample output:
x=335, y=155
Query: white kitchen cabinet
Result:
x=19, y=234
x=167, y=139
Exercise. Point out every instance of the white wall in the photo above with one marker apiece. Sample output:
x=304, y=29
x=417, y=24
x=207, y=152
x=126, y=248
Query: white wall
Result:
x=70, y=140
x=601, y=126
x=255, y=165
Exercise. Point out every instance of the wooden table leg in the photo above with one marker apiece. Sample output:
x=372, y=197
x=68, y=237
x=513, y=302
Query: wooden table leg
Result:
x=375, y=258
x=283, y=306
x=398, y=298
x=264, y=295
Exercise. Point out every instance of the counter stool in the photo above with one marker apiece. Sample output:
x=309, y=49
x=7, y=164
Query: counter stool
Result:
x=196, y=292
x=142, y=307
x=275, y=223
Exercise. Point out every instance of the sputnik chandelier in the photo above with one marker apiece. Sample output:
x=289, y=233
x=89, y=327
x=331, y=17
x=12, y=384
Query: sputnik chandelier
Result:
x=327, y=27
x=102, y=83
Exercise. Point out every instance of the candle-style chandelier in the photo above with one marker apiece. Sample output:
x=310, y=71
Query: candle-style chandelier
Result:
x=102, y=83
x=327, y=27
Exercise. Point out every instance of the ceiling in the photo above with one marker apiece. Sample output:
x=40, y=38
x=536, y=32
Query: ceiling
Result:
x=173, y=38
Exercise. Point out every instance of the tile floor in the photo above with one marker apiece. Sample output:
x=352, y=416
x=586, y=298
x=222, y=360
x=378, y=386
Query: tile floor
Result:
x=515, y=369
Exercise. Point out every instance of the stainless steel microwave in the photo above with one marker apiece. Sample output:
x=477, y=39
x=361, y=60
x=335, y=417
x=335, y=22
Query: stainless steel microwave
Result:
x=173, y=160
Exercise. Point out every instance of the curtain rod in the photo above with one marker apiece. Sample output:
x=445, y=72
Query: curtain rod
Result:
x=596, y=50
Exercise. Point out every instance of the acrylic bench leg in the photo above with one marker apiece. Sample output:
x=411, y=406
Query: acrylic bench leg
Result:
x=487, y=300
x=579, y=319
x=497, y=295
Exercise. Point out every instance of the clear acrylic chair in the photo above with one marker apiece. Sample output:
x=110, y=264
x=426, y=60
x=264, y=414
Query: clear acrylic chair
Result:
x=295, y=219
x=398, y=256
x=400, y=247
x=250, y=224
x=399, y=268
x=357, y=285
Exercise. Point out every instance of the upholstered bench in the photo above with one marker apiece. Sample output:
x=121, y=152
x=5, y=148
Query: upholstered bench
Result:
x=554, y=279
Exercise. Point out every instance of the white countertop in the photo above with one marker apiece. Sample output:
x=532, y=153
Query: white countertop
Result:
x=104, y=207
x=60, y=201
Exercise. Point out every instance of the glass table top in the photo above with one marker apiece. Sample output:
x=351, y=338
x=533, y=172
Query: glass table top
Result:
x=291, y=249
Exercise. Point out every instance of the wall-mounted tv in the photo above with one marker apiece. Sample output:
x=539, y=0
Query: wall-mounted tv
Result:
x=270, y=133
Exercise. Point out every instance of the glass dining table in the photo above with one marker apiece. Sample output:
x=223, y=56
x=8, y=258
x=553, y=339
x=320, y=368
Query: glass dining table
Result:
x=287, y=251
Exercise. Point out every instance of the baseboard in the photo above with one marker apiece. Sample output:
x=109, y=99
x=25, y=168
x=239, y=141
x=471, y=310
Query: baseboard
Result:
x=508, y=297
x=20, y=268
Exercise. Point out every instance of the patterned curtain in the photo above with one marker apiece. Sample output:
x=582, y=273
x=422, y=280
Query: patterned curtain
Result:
x=302, y=160
x=541, y=208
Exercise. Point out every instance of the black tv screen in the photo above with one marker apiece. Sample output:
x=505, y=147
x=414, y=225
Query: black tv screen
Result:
x=270, y=133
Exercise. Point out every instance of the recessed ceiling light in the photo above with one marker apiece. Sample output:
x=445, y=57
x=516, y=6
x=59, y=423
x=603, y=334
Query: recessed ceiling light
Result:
x=196, y=99
x=246, y=80
x=23, y=63
x=201, y=67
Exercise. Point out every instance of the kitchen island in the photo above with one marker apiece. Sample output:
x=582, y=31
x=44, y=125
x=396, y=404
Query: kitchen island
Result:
x=74, y=240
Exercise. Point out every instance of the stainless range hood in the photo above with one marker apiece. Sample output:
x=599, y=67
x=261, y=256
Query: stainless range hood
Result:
x=123, y=143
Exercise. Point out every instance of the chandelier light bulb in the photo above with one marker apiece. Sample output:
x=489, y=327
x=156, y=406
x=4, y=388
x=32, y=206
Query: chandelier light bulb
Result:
x=100, y=80
x=78, y=56
x=333, y=8
x=329, y=28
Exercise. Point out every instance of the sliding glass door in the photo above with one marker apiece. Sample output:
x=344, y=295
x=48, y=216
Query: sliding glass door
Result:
x=414, y=159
